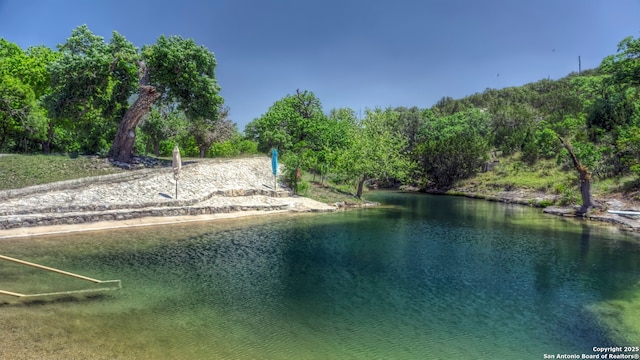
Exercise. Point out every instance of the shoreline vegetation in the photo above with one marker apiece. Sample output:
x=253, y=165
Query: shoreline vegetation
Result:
x=550, y=190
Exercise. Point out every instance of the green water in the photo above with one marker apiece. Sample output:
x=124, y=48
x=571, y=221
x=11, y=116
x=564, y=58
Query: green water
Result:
x=424, y=278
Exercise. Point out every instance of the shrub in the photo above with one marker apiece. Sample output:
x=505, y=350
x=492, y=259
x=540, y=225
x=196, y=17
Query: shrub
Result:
x=569, y=196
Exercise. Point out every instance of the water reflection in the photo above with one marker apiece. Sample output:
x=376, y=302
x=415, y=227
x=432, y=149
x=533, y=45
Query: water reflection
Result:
x=426, y=275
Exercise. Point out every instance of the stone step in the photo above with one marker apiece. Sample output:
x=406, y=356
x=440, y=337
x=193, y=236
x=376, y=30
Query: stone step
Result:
x=37, y=219
x=168, y=203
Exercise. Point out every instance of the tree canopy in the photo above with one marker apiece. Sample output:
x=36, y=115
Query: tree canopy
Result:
x=90, y=95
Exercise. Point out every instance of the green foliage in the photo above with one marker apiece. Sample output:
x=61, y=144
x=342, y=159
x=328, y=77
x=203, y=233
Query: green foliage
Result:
x=206, y=132
x=376, y=150
x=625, y=65
x=610, y=112
x=91, y=83
x=409, y=123
x=302, y=188
x=224, y=149
x=292, y=163
x=628, y=144
x=546, y=141
x=72, y=100
x=454, y=147
x=296, y=124
x=510, y=125
x=92, y=77
x=164, y=122
x=569, y=195
x=16, y=102
x=23, y=81
x=289, y=121
x=185, y=73
x=233, y=147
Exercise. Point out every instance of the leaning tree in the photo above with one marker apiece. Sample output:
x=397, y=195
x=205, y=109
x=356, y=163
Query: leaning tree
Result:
x=176, y=70
x=94, y=77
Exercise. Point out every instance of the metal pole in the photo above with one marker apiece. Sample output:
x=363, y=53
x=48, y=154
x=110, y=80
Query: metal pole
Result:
x=50, y=269
x=11, y=293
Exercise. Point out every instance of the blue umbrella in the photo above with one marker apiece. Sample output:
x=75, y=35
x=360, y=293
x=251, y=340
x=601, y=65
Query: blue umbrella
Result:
x=274, y=168
x=274, y=161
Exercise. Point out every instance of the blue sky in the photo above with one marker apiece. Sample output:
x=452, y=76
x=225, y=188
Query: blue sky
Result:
x=352, y=53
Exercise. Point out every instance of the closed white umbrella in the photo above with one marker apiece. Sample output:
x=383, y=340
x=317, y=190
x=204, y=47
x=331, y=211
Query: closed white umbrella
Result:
x=177, y=166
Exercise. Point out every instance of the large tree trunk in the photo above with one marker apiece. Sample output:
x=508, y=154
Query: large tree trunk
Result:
x=585, y=192
x=361, y=186
x=122, y=148
x=585, y=179
x=46, y=144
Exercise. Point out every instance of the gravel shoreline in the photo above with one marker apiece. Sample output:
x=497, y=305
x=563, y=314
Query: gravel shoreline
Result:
x=207, y=190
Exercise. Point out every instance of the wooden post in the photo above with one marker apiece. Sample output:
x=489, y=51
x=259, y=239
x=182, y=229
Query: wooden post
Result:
x=49, y=269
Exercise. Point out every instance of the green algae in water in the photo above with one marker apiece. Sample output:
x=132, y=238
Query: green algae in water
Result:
x=428, y=277
x=621, y=316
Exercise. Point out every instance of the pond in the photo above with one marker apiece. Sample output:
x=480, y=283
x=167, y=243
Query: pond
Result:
x=422, y=277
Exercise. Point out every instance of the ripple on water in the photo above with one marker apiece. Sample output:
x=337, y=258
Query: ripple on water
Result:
x=385, y=283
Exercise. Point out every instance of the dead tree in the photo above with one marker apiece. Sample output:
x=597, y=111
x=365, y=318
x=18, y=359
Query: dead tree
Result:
x=584, y=177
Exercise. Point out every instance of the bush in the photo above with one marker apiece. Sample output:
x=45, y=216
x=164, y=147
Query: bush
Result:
x=248, y=147
x=303, y=188
x=569, y=196
x=545, y=203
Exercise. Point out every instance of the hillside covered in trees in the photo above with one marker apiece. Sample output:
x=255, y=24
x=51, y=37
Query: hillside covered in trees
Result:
x=586, y=124
x=91, y=96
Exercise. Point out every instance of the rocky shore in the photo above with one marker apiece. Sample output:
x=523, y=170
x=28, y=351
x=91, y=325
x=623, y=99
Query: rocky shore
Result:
x=206, y=188
x=540, y=199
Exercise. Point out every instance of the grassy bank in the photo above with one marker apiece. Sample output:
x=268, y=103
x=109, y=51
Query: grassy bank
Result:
x=326, y=192
x=547, y=177
x=18, y=171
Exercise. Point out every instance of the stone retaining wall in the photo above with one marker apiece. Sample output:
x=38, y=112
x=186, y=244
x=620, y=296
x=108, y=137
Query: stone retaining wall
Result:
x=175, y=203
x=76, y=183
x=29, y=220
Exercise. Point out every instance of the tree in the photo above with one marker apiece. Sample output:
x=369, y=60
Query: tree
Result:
x=23, y=81
x=510, y=125
x=625, y=65
x=410, y=122
x=93, y=82
x=16, y=101
x=207, y=131
x=163, y=122
x=453, y=147
x=288, y=122
x=376, y=150
x=584, y=178
x=179, y=71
